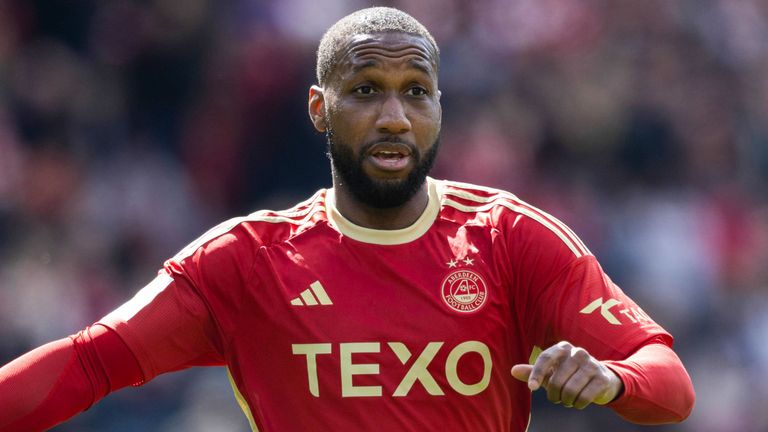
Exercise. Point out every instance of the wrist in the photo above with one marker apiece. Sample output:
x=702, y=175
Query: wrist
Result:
x=615, y=388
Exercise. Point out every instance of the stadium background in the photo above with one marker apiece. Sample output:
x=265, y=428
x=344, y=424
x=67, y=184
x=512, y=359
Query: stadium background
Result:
x=129, y=127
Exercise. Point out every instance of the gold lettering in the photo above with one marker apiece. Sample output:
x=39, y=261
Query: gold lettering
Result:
x=311, y=351
x=641, y=315
x=451, y=366
x=348, y=369
x=625, y=312
x=418, y=370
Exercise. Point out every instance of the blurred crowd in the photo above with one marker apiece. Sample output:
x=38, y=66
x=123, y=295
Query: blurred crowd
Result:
x=127, y=128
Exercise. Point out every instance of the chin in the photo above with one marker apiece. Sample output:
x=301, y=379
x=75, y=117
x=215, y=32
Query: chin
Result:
x=390, y=179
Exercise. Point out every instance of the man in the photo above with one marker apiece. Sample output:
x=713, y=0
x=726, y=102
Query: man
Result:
x=392, y=301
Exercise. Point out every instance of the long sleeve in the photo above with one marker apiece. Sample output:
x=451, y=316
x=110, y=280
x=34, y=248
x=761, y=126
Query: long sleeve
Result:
x=657, y=389
x=58, y=380
x=568, y=297
x=164, y=328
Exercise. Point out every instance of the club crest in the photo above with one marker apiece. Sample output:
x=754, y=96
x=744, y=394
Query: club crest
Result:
x=464, y=291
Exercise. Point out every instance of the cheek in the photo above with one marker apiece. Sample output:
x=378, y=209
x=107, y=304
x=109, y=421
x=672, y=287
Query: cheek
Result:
x=429, y=124
x=351, y=121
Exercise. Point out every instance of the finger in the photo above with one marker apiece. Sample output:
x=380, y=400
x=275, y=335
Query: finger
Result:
x=522, y=371
x=546, y=364
x=575, y=386
x=611, y=386
x=561, y=376
x=591, y=391
x=577, y=359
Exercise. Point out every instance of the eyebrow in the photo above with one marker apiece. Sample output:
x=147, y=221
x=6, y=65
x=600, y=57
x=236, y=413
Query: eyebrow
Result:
x=415, y=63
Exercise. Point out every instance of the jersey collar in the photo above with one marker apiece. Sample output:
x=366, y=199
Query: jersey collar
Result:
x=384, y=237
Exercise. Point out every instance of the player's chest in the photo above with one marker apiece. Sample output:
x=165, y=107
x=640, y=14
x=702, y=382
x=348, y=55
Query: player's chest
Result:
x=447, y=286
x=348, y=319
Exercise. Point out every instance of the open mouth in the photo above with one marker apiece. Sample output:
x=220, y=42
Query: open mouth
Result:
x=388, y=156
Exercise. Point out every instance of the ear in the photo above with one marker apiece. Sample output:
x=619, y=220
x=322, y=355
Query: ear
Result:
x=317, y=108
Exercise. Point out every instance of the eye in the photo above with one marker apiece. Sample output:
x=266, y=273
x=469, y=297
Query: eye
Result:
x=417, y=91
x=364, y=90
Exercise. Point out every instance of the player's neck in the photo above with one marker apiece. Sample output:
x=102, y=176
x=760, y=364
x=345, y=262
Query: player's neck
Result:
x=384, y=219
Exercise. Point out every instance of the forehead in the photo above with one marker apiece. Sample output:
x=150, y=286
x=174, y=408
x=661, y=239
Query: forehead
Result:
x=382, y=49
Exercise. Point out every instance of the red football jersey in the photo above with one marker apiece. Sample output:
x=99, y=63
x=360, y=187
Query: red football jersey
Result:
x=325, y=325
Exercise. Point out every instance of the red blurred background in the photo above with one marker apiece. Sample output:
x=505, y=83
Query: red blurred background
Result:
x=129, y=127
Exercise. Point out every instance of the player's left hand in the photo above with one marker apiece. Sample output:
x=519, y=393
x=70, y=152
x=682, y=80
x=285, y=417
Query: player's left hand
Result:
x=571, y=376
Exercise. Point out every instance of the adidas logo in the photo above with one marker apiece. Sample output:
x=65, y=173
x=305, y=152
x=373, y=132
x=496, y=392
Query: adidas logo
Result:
x=313, y=296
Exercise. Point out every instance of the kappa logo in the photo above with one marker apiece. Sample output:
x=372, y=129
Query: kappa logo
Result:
x=631, y=314
x=313, y=296
x=464, y=291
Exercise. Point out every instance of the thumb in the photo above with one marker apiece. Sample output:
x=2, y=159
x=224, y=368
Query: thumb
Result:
x=522, y=371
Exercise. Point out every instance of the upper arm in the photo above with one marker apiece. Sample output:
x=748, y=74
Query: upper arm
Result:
x=175, y=321
x=566, y=295
x=167, y=326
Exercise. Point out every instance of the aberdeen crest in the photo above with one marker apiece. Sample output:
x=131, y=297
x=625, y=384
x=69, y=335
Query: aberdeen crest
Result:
x=464, y=291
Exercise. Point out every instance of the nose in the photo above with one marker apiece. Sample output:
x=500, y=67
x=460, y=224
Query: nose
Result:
x=393, y=118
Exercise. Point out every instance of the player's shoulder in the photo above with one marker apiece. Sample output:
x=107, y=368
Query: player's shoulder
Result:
x=474, y=200
x=472, y=194
x=261, y=228
x=467, y=203
x=505, y=211
x=280, y=225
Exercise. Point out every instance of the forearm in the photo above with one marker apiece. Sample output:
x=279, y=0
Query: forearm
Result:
x=63, y=378
x=657, y=388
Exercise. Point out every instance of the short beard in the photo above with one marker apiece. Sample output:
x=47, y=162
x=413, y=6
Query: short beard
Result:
x=379, y=194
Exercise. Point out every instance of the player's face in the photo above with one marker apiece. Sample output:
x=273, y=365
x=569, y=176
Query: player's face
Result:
x=382, y=117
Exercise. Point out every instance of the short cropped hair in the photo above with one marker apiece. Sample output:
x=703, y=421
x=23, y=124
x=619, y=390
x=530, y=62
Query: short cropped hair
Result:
x=366, y=21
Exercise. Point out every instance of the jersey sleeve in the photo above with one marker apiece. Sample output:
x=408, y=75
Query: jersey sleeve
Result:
x=667, y=398
x=564, y=294
x=54, y=382
x=166, y=326
x=170, y=324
